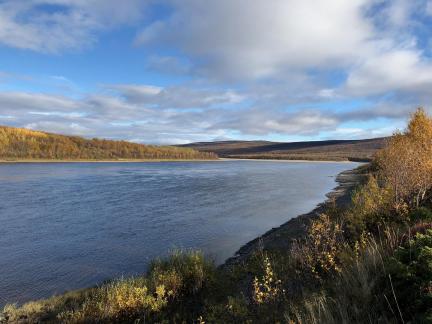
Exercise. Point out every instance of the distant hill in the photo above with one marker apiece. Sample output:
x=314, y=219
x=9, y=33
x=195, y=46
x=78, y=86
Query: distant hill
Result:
x=335, y=150
x=25, y=144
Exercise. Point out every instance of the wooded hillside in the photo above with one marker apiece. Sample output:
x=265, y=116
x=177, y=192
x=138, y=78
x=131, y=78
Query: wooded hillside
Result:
x=21, y=143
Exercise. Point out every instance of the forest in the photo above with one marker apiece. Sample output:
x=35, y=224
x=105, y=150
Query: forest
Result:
x=25, y=144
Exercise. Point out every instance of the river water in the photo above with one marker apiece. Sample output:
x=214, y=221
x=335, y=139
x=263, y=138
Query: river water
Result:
x=65, y=226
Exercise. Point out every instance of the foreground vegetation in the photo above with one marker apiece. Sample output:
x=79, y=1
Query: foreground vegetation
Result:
x=369, y=263
x=25, y=144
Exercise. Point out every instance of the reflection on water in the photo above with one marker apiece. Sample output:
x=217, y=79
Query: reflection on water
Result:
x=67, y=226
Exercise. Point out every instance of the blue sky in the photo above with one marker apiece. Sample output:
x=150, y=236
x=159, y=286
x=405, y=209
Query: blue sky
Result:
x=178, y=71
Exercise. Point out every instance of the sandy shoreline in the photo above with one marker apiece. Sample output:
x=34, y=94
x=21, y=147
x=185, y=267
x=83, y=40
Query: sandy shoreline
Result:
x=282, y=237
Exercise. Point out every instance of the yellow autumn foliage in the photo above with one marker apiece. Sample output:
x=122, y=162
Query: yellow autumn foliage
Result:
x=20, y=143
x=406, y=162
x=318, y=254
x=267, y=288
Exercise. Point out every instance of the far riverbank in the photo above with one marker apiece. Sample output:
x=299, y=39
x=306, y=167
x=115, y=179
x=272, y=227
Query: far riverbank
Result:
x=106, y=161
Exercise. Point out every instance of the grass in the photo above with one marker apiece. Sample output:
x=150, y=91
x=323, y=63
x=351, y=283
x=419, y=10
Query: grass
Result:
x=175, y=280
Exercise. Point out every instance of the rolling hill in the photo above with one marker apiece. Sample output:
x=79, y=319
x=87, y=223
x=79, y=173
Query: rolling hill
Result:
x=25, y=144
x=337, y=150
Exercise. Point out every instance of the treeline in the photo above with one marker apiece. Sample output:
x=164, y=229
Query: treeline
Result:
x=20, y=143
x=370, y=262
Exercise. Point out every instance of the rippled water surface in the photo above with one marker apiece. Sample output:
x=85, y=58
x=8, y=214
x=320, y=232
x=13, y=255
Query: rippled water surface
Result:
x=71, y=225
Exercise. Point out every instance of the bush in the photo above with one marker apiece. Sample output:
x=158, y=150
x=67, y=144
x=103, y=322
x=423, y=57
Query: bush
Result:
x=405, y=164
x=371, y=208
x=267, y=288
x=421, y=214
x=117, y=301
x=232, y=310
x=319, y=255
x=410, y=279
x=352, y=295
x=155, y=297
x=184, y=273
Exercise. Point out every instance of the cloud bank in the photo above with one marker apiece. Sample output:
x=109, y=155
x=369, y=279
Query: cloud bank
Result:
x=249, y=68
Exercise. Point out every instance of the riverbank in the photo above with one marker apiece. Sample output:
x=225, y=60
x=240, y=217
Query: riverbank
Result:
x=107, y=161
x=283, y=236
x=286, y=161
x=166, y=160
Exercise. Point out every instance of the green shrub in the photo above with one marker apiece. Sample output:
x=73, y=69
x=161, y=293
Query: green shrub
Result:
x=188, y=276
x=119, y=301
x=184, y=273
x=352, y=295
x=421, y=214
x=319, y=255
x=170, y=291
x=232, y=310
x=410, y=278
x=371, y=209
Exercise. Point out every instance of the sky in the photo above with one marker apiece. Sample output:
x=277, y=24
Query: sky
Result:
x=180, y=71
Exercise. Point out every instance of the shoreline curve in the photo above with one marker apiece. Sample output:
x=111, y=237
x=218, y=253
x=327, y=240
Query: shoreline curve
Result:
x=296, y=228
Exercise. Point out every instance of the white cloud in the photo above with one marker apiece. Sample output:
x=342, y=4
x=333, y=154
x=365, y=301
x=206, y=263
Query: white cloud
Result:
x=391, y=71
x=399, y=11
x=56, y=25
x=24, y=101
x=110, y=116
x=373, y=41
x=137, y=93
x=248, y=64
x=429, y=8
x=327, y=93
x=176, y=96
x=260, y=38
x=360, y=133
x=59, y=127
